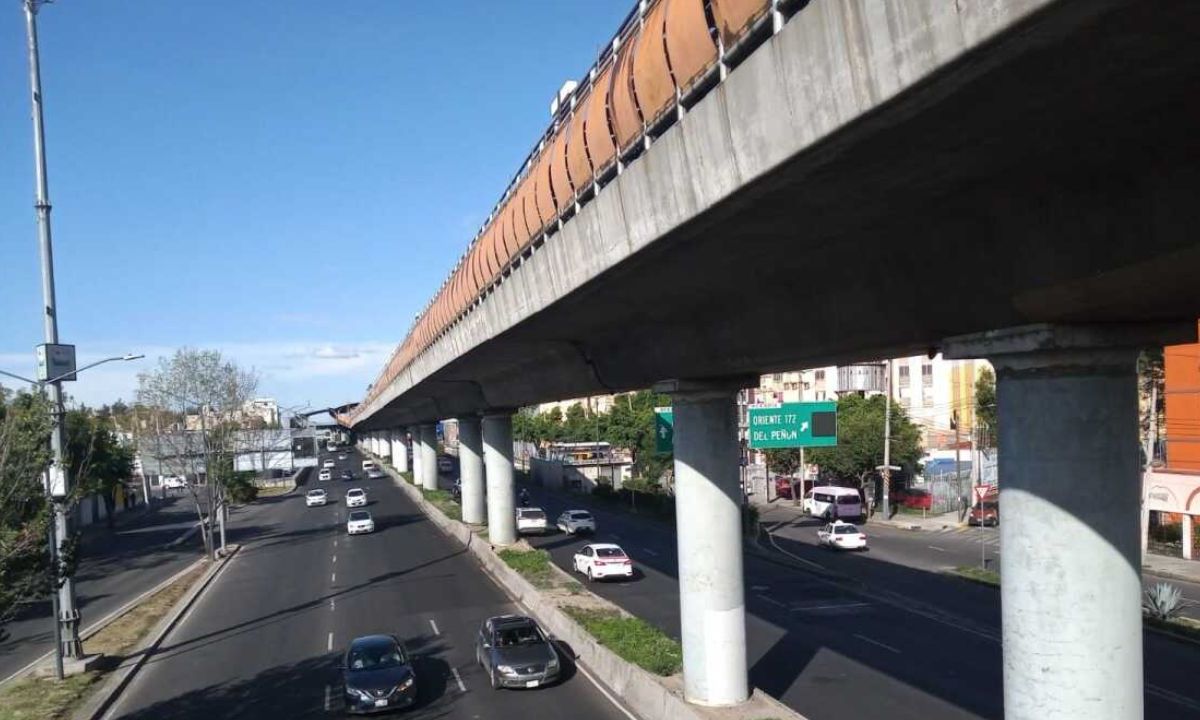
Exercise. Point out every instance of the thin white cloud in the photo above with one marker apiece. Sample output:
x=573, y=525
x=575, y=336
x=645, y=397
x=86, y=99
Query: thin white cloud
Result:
x=329, y=352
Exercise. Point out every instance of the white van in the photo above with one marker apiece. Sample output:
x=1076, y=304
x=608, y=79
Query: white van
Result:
x=822, y=501
x=368, y=465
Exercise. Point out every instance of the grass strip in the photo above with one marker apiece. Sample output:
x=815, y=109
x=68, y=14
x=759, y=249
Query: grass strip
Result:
x=45, y=698
x=275, y=490
x=633, y=639
x=533, y=565
x=1185, y=627
x=443, y=501
x=979, y=575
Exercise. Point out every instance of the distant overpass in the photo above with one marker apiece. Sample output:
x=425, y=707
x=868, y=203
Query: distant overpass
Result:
x=768, y=186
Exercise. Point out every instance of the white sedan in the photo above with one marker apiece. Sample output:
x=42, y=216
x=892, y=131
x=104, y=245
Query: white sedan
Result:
x=325, y=475
x=531, y=520
x=602, y=560
x=329, y=463
x=359, y=522
x=842, y=536
x=576, y=521
x=356, y=497
x=315, y=498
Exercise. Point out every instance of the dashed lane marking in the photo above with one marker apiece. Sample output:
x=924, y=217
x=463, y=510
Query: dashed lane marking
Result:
x=433, y=625
x=864, y=638
x=458, y=679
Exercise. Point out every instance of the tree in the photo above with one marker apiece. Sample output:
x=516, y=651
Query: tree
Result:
x=785, y=461
x=97, y=461
x=25, y=516
x=985, y=408
x=1151, y=376
x=202, y=383
x=860, y=439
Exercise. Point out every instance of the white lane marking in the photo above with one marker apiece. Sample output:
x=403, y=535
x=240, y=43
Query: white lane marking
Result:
x=329, y=642
x=864, y=638
x=335, y=558
x=604, y=691
x=458, y=679
x=328, y=697
x=1171, y=696
x=773, y=601
x=793, y=556
x=333, y=578
x=433, y=625
x=839, y=606
x=335, y=542
x=760, y=588
x=935, y=547
x=649, y=552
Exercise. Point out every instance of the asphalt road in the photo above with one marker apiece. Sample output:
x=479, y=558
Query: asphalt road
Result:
x=838, y=636
x=265, y=640
x=115, y=566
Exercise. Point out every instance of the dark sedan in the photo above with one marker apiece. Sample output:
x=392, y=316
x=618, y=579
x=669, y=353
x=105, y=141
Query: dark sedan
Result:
x=378, y=675
x=516, y=653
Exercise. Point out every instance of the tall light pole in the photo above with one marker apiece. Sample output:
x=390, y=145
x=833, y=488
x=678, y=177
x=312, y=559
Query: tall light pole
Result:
x=67, y=626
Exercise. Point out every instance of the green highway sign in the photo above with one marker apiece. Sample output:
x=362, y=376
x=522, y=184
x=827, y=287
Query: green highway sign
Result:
x=793, y=425
x=664, y=430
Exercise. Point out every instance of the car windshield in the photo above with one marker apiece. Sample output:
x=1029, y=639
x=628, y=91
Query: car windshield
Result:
x=375, y=656
x=360, y=515
x=516, y=635
x=316, y=493
x=610, y=552
x=355, y=493
x=845, y=529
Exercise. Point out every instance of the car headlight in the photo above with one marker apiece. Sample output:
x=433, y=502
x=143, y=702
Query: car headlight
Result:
x=553, y=664
x=506, y=669
x=360, y=694
x=408, y=682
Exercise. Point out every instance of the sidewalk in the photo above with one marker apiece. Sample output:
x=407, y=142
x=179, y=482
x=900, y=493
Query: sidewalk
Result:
x=1171, y=567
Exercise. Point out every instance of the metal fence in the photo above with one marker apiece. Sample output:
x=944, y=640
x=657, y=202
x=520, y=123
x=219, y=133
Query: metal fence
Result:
x=947, y=491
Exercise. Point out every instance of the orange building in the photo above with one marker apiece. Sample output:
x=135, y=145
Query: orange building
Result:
x=1182, y=391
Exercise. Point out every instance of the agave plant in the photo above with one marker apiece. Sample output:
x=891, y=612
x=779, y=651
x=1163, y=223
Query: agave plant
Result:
x=1162, y=601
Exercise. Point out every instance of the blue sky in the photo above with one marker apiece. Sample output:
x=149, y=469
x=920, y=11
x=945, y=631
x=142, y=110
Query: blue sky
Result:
x=287, y=182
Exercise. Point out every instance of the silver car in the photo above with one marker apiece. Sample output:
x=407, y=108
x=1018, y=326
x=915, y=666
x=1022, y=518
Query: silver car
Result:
x=516, y=653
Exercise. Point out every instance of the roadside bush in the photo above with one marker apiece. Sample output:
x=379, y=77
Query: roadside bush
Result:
x=241, y=488
x=533, y=565
x=604, y=491
x=632, y=638
x=1162, y=601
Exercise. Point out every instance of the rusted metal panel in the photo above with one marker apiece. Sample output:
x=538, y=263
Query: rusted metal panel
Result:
x=543, y=192
x=734, y=17
x=494, y=252
x=527, y=222
x=653, y=88
x=564, y=193
x=507, y=232
x=600, y=148
x=622, y=108
x=579, y=167
x=691, y=50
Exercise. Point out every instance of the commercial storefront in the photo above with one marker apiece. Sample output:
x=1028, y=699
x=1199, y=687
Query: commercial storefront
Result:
x=1170, y=504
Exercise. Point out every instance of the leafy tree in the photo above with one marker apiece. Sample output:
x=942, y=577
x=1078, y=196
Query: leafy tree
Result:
x=985, y=408
x=785, y=461
x=860, y=439
x=97, y=461
x=577, y=427
x=25, y=516
x=1151, y=376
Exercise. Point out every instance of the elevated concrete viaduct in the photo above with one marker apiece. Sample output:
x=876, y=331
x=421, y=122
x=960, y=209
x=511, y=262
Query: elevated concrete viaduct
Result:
x=1011, y=179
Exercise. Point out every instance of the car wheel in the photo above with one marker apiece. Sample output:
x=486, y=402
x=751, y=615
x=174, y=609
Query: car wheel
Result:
x=495, y=681
x=590, y=577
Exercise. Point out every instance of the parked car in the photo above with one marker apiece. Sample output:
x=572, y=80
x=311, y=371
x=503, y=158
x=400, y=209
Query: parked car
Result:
x=325, y=475
x=177, y=482
x=378, y=675
x=842, y=536
x=916, y=498
x=356, y=497
x=602, y=560
x=987, y=513
x=573, y=522
x=359, y=522
x=329, y=462
x=515, y=653
x=445, y=464
x=531, y=520
x=314, y=498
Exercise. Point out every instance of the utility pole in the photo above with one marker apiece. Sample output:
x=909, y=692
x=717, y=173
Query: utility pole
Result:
x=957, y=462
x=887, y=439
x=58, y=484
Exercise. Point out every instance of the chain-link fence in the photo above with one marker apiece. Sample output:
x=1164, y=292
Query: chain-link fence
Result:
x=948, y=492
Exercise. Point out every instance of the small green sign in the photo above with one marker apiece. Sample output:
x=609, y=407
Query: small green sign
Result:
x=792, y=425
x=664, y=430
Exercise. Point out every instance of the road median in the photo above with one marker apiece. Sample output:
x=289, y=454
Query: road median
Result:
x=646, y=694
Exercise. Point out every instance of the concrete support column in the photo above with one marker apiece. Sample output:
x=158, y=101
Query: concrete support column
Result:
x=1070, y=485
x=428, y=460
x=498, y=457
x=414, y=434
x=708, y=520
x=470, y=465
x=1187, y=537
x=399, y=451
x=385, y=444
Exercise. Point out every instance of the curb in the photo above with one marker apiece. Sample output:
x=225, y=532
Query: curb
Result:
x=103, y=698
x=184, y=537
x=646, y=695
x=1168, y=574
